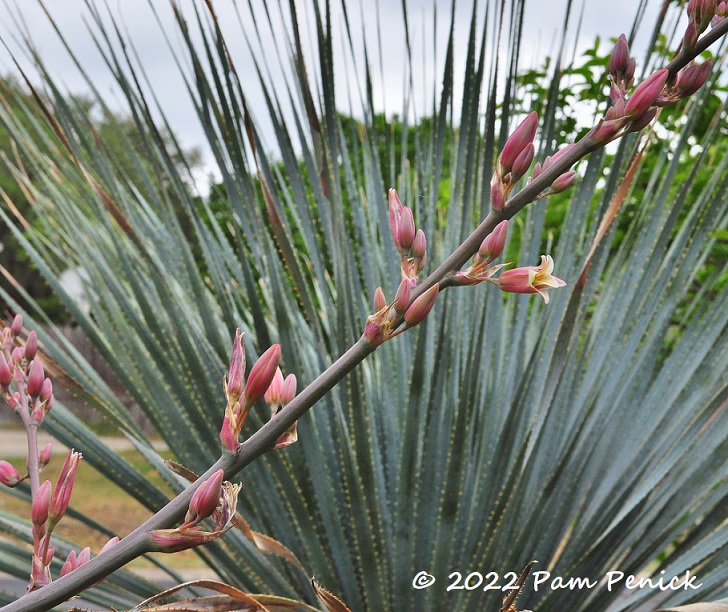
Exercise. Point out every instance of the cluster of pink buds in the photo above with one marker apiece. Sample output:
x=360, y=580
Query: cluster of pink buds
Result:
x=23, y=382
x=281, y=393
x=688, y=81
x=634, y=112
x=215, y=499
x=514, y=161
x=26, y=389
x=701, y=13
x=264, y=381
x=561, y=182
x=381, y=325
x=76, y=560
x=628, y=114
x=48, y=507
x=621, y=69
x=411, y=244
x=412, y=247
x=490, y=249
x=721, y=12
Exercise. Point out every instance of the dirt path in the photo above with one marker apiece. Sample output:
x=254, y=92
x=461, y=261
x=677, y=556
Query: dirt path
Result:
x=13, y=444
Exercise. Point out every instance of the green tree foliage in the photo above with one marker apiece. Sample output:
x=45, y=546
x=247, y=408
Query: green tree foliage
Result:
x=114, y=135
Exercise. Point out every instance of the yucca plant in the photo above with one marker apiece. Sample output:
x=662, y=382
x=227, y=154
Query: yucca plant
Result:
x=588, y=434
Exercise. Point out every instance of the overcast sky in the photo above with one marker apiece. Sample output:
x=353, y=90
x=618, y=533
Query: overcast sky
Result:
x=543, y=26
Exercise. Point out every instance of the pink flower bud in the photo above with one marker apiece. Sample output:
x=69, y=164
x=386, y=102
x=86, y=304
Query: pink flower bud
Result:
x=45, y=455
x=261, y=375
x=620, y=57
x=692, y=77
x=642, y=121
x=419, y=246
x=228, y=437
x=616, y=111
x=531, y=279
x=288, y=390
x=46, y=391
x=494, y=243
x=110, y=544
x=236, y=373
x=6, y=376
x=701, y=12
x=374, y=332
x=629, y=72
x=646, y=93
x=604, y=131
x=17, y=325
x=37, y=414
x=522, y=136
x=379, y=300
x=74, y=561
x=721, y=11
x=69, y=565
x=273, y=393
x=17, y=355
x=497, y=197
x=691, y=36
x=395, y=212
x=31, y=346
x=204, y=500
x=422, y=306
x=402, y=299
x=406, y=229
x=522, y=163
x=83, y=557
x=9, y=476
x=563, y=182
x=41, y=504
x=615, y=93
x=36, y=376
x=64, y=486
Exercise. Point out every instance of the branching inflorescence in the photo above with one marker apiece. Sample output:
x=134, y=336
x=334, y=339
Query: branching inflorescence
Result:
x=27, y=391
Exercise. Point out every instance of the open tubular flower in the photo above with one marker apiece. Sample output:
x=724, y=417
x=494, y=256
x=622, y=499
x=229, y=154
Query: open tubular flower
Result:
x=531, y=279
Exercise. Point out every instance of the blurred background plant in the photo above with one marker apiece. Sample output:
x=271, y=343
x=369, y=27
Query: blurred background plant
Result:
x=589, y=435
